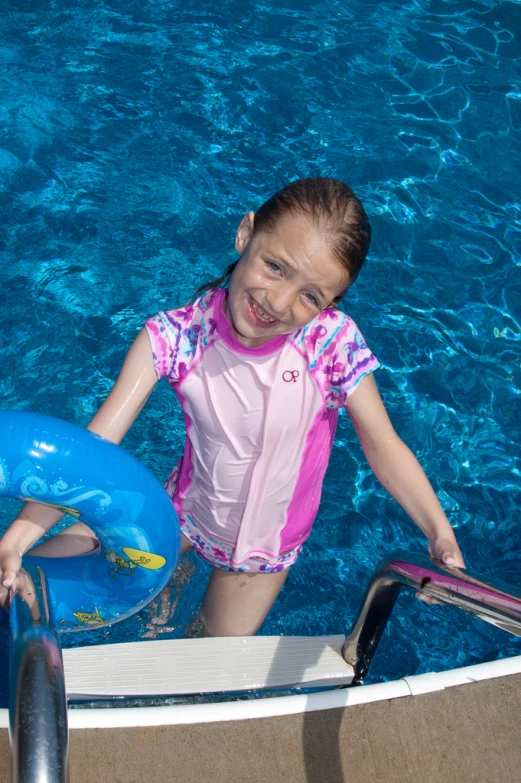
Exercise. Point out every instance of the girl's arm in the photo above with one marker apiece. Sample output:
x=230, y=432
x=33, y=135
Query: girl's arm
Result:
x=400, y=472
x=128, y=396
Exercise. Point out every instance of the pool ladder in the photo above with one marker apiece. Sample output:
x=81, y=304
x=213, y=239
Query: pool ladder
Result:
x=490, y=600
x=38, y=728
x=38, y=700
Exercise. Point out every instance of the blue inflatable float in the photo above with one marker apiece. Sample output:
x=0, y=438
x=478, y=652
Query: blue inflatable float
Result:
x=62, y=465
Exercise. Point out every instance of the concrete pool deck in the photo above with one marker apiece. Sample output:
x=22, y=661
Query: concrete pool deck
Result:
x=467, y=732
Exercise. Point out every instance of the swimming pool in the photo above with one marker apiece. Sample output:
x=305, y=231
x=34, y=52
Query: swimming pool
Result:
x=135, y=135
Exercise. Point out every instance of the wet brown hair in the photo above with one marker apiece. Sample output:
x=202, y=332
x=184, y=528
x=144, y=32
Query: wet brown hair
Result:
x=334, y=208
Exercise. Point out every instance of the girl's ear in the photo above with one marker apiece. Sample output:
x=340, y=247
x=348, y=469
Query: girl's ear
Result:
x=244, y=232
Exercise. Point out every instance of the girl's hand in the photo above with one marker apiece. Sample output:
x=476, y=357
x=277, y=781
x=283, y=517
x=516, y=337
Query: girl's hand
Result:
x=10, y=564
x=21, y=584
x=447, y=552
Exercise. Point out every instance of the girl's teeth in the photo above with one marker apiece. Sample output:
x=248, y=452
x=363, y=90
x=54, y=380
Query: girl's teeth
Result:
x=261, y=315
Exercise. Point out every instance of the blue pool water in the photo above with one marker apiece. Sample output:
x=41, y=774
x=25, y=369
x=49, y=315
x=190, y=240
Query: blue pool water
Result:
x=134, y=135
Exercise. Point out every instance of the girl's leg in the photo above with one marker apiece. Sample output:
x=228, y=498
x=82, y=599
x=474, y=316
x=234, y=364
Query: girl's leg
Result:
x=162, y=608
x=237, y=603
x=186, y=544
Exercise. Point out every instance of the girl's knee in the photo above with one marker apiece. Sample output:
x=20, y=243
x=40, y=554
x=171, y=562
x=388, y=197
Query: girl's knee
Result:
x=204, y=626
x=236, y=603
x=227, y=626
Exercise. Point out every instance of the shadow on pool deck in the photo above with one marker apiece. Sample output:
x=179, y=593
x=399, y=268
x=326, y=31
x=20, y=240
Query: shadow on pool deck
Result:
x=469, y=733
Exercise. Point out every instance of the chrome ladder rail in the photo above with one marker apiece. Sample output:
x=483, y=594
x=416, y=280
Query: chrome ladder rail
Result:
x=490, y=600
x=38, y=727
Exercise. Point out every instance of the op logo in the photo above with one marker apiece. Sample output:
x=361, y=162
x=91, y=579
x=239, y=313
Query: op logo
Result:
x=290, y=375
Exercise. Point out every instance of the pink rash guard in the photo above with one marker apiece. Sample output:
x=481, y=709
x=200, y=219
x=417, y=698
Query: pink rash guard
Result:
x=260, y=424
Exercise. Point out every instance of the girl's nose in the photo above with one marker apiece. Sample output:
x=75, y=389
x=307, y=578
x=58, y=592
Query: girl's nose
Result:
x=280, y=300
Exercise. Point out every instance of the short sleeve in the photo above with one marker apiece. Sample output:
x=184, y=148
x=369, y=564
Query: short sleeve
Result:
x=339, y=356
x=164, y=333
x=355, y=360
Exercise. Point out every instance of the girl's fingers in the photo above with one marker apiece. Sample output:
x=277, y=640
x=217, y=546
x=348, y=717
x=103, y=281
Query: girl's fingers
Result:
x=448, y=559
x=8, y=578
x=427, y=599
x=446, y=552
x=10, y=565
x=452, y=559
x=9, y=570
x=4, y=598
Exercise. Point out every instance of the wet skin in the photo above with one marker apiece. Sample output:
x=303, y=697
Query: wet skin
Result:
x=283, y=280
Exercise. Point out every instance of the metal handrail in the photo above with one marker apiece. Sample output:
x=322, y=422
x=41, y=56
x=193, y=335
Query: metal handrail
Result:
x=490, y=600
x=38, y=728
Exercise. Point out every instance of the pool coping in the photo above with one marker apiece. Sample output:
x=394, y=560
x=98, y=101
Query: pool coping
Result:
x=124, y=717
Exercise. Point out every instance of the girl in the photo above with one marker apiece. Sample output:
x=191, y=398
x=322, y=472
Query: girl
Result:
x=261, y=362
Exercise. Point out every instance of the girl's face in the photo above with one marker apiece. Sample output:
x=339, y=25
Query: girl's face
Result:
x=282, y=281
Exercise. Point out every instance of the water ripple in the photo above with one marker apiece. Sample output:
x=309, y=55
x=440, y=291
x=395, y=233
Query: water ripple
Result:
x=134, y=137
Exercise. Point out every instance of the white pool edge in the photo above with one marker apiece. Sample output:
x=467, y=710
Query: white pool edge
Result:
x=124, y=717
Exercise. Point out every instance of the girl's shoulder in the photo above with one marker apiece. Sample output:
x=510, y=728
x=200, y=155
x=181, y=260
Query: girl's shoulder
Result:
x=180, y=321
x=180, y=317
x=176, y=334
x=327, y=331
x=337, y=354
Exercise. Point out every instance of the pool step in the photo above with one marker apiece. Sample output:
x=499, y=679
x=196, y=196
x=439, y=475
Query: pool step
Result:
x=188, y=666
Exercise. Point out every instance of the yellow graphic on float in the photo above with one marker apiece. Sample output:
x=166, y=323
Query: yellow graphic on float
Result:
x=144, y=559
x=66, y=510
x=90, y=619
x=136, y=557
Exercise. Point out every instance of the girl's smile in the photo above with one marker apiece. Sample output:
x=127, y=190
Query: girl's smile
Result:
x=283, y=279
x=257, y=315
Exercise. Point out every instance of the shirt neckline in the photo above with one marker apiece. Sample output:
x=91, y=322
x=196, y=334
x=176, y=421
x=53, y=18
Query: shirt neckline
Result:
x=225, y=331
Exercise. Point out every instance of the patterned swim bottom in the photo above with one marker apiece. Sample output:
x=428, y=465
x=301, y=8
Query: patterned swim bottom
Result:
x=220, y=554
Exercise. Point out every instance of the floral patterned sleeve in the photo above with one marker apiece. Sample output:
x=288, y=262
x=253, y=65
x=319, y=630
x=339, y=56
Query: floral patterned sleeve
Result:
x=357, y=361
x=164, y=332
x=339, y=355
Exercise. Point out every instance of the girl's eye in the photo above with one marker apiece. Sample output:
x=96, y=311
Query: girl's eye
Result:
x=312, y=299
x=273, y=266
